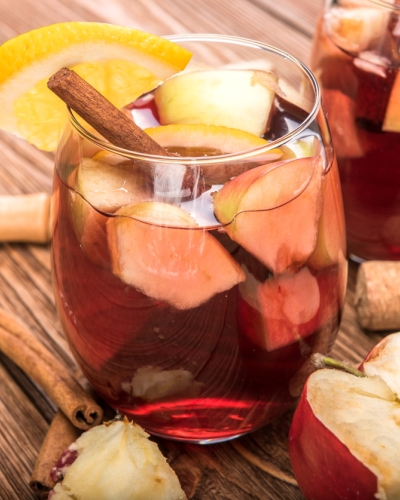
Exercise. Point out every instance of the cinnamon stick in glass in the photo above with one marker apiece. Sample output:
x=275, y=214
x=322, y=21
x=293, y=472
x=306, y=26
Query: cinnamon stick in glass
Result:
x=27, y=352
x=119, y=130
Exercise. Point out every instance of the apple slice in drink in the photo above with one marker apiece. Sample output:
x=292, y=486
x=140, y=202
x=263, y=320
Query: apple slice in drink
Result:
x=356, y=29
x=160, y=250
x=272, y=211
x=103, y=187
x=331, y=242
x=391, y=122
x=240, y=99
x=345, y=436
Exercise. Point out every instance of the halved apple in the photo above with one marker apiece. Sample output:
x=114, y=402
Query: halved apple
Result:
x=160, y=250
x=345, y=436
x=240, y=99
x=272, y=211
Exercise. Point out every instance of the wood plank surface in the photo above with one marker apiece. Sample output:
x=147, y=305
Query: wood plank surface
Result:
x=253, y=467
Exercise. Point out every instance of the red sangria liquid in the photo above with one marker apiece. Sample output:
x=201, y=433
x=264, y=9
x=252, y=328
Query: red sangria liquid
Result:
x=198, y=327
x=356, y=60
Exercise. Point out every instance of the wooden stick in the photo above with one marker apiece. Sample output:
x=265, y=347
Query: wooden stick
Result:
x=60, y=435
x=377, y=297
x=43, y=368
x=25, y=218
x=101, y=114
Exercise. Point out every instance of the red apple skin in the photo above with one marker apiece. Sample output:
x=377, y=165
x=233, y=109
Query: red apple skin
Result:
x=323, y=466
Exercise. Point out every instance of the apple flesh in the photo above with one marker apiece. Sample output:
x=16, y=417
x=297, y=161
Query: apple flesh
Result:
x=391, y=122
x=344, y=440
x=272, y=211
x=160, y=250
x=240, y=99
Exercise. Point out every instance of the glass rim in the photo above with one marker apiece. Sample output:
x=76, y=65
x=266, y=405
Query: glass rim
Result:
x=205, y=160
x=385, y=4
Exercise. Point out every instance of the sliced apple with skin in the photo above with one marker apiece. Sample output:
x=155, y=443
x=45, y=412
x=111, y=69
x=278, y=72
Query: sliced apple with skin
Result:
x=240, y=99
x=272, y=211
x=331, y=242
x=103, y=187
x=344, y=439
x=160, y=250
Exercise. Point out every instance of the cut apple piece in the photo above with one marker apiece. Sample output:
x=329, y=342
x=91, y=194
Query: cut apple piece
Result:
x=289, y=305
x=239, y=99
x=356, y=29
x=272, y=211
x=391, y=122
x=344, y=439
x=160, y=250
x=302, y=148
x=103, y=187
x=331, y=242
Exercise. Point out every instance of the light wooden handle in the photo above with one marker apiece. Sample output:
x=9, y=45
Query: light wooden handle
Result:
x=25, y=218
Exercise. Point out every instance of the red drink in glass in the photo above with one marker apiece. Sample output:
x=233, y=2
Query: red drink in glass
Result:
x=356, y=61
x=202, y=331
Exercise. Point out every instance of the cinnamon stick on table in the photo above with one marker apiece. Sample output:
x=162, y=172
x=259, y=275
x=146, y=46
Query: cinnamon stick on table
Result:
x=42, y=367
x=60, y=435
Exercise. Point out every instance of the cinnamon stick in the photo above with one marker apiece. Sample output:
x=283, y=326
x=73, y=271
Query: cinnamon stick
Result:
x=60, y=435
x=25, y=218
x=173, y=182
x=377, y=297
x=101, y=114
x=43, y=368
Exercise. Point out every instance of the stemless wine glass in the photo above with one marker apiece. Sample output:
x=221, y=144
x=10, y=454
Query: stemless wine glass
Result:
x=194, y=289
x=356, y=59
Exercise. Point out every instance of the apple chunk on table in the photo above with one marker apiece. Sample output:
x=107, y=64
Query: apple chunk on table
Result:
x=345, y=436
x=272, y=211
x=160, y=250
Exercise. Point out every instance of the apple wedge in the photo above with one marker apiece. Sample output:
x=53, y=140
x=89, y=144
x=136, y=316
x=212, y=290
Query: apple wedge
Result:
x=240, y=99
x=344, y=440
x=103, y=187
x=331, y=243
x=160, y=250
x=391, y=121
x=272, y=211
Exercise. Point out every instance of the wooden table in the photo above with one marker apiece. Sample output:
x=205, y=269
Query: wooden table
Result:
x=253, y=467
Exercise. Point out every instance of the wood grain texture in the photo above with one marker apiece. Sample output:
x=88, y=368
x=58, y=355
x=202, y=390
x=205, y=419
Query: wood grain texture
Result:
x=253, y=467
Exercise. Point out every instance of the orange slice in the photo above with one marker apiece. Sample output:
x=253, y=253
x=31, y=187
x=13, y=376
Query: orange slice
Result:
x=119, y=62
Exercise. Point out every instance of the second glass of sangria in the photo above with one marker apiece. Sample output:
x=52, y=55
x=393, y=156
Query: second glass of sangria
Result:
x=356, y=59
x=193, y=288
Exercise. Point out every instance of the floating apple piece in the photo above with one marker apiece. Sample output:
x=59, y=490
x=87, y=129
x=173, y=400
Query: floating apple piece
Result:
x=356, y=29
x=240, y=99
x=344, y=440
x=272, y=211
x=103, y=187
x=331, y=243
x=160, y=250
x=391, y=122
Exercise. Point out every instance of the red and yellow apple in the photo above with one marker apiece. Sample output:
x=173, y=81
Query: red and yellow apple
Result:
x=344, y=440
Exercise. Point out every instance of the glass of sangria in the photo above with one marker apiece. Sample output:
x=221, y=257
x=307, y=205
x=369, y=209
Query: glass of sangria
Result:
x=356, y=60
x=193, y=288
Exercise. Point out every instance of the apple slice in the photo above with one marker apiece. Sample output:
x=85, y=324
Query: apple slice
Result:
x=288, y=305
x=391, y=122
x=239, y=99
x=331, y=242
x=272, y=211
x=344, y=440
x=160, y=250
x=356, y=29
